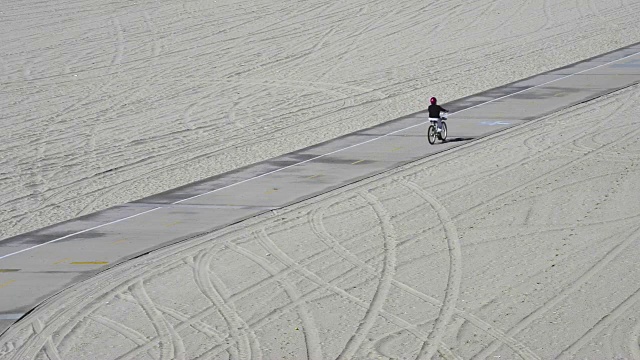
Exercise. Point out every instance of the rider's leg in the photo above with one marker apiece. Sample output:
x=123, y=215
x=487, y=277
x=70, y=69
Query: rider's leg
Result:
x=439, y=125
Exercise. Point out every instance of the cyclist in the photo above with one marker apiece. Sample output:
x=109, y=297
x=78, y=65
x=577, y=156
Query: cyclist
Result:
x=434, y=113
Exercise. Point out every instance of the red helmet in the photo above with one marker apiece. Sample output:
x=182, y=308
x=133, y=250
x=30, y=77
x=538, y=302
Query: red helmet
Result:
x=433, y=100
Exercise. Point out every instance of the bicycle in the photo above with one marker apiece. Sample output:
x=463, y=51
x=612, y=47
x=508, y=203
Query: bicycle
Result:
x=432, y=133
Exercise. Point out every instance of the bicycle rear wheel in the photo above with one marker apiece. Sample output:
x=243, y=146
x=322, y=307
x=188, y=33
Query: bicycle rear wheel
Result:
x=431, y=134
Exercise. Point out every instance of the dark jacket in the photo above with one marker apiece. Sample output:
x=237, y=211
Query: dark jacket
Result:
x=434, y=111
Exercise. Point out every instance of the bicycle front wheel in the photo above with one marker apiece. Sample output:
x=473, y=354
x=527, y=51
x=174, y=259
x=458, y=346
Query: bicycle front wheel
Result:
x=443, y=133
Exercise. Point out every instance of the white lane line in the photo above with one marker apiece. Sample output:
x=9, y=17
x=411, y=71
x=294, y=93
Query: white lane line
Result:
x=323, y=155
x=201, y=206
x=79, y=232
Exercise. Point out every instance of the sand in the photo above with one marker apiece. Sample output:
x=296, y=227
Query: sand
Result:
x=102, y=102
x=531, y=254
x=523, y=244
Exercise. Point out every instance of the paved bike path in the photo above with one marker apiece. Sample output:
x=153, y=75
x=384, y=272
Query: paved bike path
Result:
x=38, y=264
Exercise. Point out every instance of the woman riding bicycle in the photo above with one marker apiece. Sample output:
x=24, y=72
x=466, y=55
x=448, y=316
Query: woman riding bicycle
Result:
x=434, y=113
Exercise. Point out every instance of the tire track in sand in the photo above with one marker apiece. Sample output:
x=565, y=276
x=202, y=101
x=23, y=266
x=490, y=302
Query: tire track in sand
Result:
x=119, y=51
x=602, y=324
x=193, y=321
x=309, y=329
x=319, y=229
x=386, y=277
x=69, y=320
x=201, y=326
x=205, y=286
x=198, y=318
x=173, y=349
x=238, y=328
x=49, y=346
x=577, y=283
x=452, y=291
x=202, y=264
x=127, y=332
x=313, y=277
x=329, y=285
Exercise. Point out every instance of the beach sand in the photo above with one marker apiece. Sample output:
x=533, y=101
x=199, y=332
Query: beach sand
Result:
x=523, y=244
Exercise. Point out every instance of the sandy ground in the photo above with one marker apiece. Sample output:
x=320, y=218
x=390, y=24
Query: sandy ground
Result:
x=103, y=102
x=524, y=244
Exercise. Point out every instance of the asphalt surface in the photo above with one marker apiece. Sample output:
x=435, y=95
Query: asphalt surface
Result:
x=38, y=264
